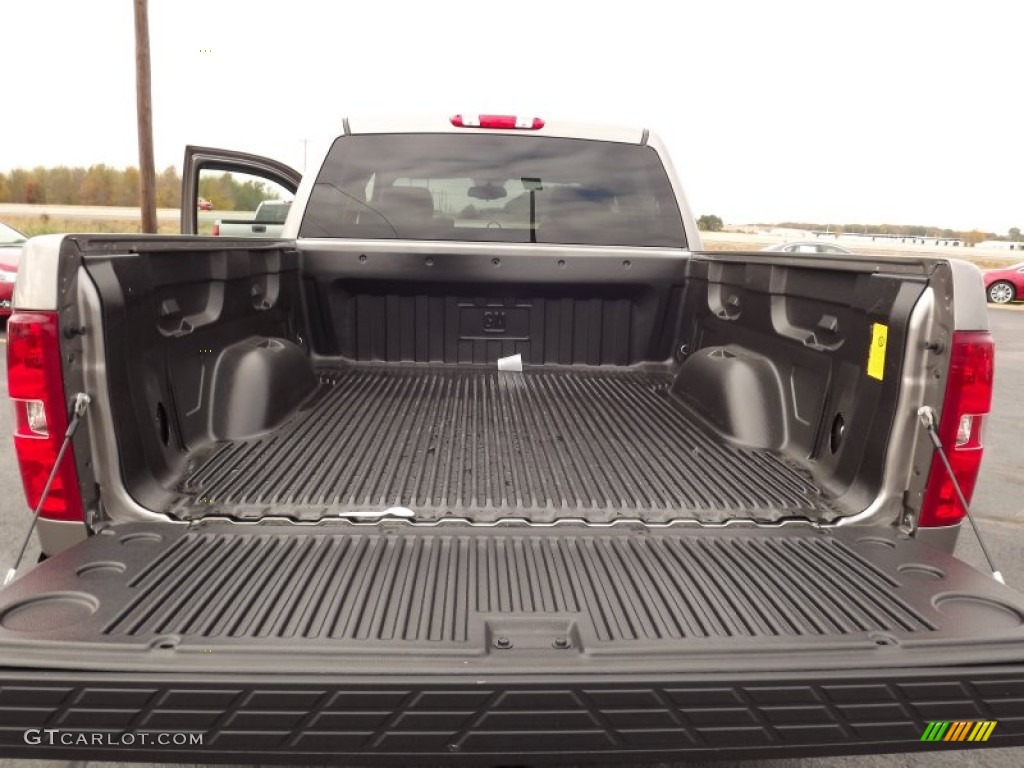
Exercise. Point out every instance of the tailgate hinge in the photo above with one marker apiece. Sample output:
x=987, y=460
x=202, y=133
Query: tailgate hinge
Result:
x=908, y=519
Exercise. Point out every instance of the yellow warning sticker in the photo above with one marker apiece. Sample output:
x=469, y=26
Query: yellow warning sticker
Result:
x=876, y=355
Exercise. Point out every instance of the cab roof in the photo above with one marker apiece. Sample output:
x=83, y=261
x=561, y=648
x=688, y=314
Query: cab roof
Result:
x=556, y=128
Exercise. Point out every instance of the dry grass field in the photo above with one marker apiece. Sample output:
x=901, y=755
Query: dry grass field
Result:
x=46, y=225
x=55, y=219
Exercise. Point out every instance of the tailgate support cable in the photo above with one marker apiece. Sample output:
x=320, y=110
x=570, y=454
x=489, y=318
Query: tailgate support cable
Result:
x=926, y=416
x=82, y=401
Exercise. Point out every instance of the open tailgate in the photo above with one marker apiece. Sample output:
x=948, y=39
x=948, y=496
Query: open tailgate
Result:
x=287, y=643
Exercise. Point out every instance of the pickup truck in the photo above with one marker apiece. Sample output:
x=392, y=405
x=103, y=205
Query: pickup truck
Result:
x=267, y=222
x=696, y=509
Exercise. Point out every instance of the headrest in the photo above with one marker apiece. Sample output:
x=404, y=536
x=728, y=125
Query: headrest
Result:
x=406, y=203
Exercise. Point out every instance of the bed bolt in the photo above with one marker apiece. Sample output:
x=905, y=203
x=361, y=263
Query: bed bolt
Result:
x=74, y=330
x=684, y=351
x=496, y=261
x=561, y=643
x=502, y=642
x=561, y=263
x=934, y=346
x=627, y=264
x=429, y=261
x=362, y=258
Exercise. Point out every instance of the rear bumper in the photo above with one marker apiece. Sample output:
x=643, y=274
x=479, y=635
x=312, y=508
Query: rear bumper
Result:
x=270, y=718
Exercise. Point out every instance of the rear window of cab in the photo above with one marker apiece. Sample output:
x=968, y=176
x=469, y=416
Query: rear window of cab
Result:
x=494, y=188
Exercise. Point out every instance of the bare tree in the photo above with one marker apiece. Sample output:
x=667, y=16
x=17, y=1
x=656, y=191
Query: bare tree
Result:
x=144, y=106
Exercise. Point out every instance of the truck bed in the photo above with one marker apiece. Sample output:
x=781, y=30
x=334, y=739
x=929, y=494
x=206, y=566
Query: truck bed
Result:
x=251, y=385
x=477, y=443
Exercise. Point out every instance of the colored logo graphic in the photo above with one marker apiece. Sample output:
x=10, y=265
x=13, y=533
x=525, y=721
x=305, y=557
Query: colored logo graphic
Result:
x=960, y=730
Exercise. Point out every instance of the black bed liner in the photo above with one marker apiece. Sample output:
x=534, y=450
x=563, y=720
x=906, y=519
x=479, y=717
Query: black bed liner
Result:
x=444, y=593
x=436, y=589
x=473, y=442
x=365, y=644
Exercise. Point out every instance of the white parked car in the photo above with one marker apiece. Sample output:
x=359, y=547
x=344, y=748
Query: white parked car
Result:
x=808, y=247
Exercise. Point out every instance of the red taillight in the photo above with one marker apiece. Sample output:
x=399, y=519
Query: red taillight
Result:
x=968, y=400
x=506, y=122
x=35, y=383
x=216, y=229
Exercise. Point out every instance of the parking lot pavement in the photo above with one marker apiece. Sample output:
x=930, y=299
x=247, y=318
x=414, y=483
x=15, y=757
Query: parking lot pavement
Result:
x=998, y=505
x=13, y=516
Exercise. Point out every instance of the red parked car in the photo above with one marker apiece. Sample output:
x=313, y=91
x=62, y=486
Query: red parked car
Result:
x=10, y=253
x=204, y=204
x=1005, y=285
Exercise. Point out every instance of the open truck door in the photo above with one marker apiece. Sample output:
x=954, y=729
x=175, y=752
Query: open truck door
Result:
x=207, y=159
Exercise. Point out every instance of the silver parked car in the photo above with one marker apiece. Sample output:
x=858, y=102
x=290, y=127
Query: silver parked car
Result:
x=808, y=247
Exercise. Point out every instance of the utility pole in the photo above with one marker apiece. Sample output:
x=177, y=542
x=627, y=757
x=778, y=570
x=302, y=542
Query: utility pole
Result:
x=144, y=108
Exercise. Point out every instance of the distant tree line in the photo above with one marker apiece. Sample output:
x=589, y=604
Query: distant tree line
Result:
x=95, y=185
x=712, y=223
x=106, y=186
x=970, y=237
x=229, y=194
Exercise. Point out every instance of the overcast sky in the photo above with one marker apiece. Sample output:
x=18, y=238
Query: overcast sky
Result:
x=844, y=111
